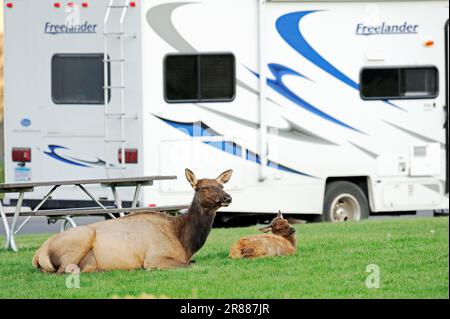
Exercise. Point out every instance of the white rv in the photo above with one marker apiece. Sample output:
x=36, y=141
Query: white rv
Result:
x=327, y=108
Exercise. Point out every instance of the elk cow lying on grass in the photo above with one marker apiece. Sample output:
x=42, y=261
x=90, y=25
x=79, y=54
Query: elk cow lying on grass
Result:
x=281, y=242
x=141, y=240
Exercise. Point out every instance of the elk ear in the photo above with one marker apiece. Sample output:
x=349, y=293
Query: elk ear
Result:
x=225, y=176
x=266, y=229
x=280, y=215
x=190, y=176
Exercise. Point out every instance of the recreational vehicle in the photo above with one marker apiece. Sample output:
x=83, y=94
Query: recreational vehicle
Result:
x=329, y=108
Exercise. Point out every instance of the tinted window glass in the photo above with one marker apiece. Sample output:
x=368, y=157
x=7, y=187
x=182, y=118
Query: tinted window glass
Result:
x=399, y=83
x=199, y=78
x=419, y=82
x=77, y=79
x=217, y=77
x=380, y=83
x=181, y=77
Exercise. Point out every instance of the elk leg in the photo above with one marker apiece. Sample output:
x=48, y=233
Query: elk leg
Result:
x=70, y=248
x=89, y=263
x=164, y=263
x=72, y=269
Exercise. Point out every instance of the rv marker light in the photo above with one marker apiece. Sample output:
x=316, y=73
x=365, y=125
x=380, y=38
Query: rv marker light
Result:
x=132, y=4
x=21, y=154
x=131, y=156
x=84, y=4
x=9, y=5
x=57, y=5
x=429, y=43
x=70, y=4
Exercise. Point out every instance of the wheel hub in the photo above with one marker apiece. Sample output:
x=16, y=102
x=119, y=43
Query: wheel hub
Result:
x=345, y=207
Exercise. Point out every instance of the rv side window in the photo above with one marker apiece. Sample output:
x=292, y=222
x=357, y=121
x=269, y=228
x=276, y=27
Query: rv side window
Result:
x=199, y=78
x=77, y=79
x=399, y=83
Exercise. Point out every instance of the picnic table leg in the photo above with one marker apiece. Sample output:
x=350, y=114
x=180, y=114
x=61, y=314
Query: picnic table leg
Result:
x=136, y=195
x=5, y=224
x=94, y=199
x=46, y=197
x=11, y=243
x=117, y=199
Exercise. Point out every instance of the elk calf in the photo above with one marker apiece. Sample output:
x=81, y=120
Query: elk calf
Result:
x=281, y=242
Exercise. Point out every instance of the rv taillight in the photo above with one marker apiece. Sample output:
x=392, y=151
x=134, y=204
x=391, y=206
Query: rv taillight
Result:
x=131, y=156
x=57, y=5
x=21, y=154
x=9, y=5
x=85, y=4
x=132, y=4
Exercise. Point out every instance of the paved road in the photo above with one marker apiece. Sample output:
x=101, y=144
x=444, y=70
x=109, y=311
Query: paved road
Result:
x=39, y=224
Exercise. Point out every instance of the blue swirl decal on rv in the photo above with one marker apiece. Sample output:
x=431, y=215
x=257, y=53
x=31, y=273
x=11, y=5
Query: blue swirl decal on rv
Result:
x=288, y=27
x=71, y=160
x=199, y=129
x=277, y=84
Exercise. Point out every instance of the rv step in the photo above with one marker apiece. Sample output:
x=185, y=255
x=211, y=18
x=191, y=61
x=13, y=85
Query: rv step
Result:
x=115, y=114
x=122, y=116
x=120, y=35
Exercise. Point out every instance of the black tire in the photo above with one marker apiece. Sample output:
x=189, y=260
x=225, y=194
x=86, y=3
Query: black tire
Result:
x=336, y=189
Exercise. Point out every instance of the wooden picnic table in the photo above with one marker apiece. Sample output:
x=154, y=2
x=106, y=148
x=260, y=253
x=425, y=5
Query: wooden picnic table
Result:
x=113, y=183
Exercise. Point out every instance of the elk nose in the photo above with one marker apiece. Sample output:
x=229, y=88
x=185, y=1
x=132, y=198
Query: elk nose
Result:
x=227, y=198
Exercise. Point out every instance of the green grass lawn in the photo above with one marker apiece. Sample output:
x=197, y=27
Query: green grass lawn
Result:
x=331, y=261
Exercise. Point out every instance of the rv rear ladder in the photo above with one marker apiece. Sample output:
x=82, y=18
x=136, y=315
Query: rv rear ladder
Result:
x=114, y=60
x=116, y=6
x=122, y=116
x=119, y=35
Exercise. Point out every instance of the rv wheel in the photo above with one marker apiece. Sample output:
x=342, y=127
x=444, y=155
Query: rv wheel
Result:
x=344, y=201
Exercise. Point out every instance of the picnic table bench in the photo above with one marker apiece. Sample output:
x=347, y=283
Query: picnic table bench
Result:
x=67, y=214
